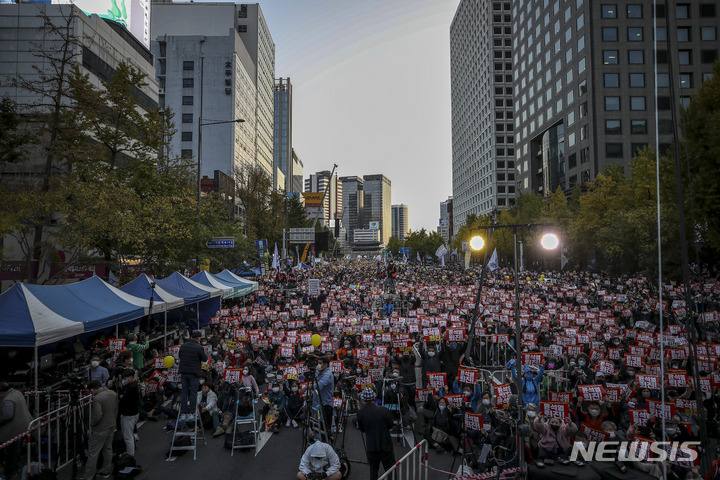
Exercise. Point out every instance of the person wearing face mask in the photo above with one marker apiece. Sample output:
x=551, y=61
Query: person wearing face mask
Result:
x=450, y=359
x=295, y=405
x=97, y=372
x=325, y=382
x=612, y=432
x=594, y=416
x=406, y=364
x=247, y=380
x=128, y=407
x=554, y=436
x=207, y=405
x=581, y=374
x=430, y=362
x=530, y=384
x=278, y=399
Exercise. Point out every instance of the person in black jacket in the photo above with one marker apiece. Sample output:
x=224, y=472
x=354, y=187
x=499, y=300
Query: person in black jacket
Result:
x=192, y=355
x=128, y=407
x=376, y=422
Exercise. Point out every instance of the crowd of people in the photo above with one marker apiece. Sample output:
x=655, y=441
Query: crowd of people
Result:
x=597, y=362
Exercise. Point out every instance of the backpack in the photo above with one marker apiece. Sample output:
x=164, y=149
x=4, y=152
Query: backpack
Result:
x=125, y=461
x=241, y=439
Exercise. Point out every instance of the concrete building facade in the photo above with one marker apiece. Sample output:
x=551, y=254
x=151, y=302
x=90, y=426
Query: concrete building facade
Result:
x=584, y=83
x=215, y=64
x=481, y=69
x=353, y=195
x=333, y=201
x=282, y=140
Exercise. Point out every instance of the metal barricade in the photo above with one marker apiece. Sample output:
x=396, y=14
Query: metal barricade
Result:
x=490, y=355
x=413, y=466
x=53, y=437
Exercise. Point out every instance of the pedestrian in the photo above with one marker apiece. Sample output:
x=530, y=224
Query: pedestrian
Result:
x=376, y=421
x=97, y=372
x=103, y=416
x=137, y=349
x=129, y=408
x=192, y=355
x=14, y=420
x=326, y=386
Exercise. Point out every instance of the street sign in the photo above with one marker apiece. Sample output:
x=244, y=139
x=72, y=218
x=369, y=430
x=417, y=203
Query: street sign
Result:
x=404, y=250
x=302, y=235
x=221, y=243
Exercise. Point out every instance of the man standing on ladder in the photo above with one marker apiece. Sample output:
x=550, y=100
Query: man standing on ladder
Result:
x=192, y=355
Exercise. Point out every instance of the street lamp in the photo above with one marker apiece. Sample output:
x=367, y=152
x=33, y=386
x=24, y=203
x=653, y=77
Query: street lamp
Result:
x=199, y=157
x=477, y=243
x=549, y=241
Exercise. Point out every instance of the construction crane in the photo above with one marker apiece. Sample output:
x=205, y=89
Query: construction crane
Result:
x=322, y=203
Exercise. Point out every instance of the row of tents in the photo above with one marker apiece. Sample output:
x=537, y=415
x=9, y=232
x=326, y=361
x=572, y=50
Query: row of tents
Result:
x=37, y=315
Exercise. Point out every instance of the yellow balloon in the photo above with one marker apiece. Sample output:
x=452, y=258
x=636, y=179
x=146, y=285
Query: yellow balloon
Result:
x=527, y=279
x=316, y=340
x=507, y=277
x=169, y=361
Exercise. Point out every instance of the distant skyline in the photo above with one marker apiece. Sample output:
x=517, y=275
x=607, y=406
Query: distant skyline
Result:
x=371, y=91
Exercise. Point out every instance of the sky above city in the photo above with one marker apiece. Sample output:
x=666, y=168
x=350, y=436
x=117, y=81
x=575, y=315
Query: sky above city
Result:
x=371, y=91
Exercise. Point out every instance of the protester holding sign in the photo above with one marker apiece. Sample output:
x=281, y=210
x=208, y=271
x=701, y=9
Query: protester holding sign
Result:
x=555, y=436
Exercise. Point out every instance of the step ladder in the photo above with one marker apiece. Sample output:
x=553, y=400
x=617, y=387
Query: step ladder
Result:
x=397, y=432
x=251, y=419
x=316, y=423
x=193, y=429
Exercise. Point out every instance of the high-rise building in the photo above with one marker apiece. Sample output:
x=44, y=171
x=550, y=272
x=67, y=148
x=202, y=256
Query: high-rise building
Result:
x=481, y=67
x=282, y=141
x=445, y=224
x=400, y=221
x=353, y=203
x=297, y=170
x=584, y=86
x=215, y=64
x=333, y=201
x=378, y=207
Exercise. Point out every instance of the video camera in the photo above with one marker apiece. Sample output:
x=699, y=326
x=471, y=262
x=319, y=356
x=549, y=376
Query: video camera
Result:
x=316, y=476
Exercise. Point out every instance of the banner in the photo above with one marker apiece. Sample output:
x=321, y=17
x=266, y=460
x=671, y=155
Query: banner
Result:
x=532, y=358
x=639, y=416
x=561, y=397
x=473, y=421
x=232, y=375
x=591, y=392
x=555, y=409
x=466, y=375
x=437, y=379
x=648, y=381
x=502, y=395
x=422, y=394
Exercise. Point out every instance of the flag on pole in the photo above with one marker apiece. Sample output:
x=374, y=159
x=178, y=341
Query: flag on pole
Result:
x=493, y=263
x=276, y=259
x=113, y=280
x=563, y=260
x=418, y=256
x=441, y=250
x=455, y=251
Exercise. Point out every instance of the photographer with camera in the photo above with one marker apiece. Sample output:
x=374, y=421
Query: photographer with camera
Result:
x=325, y=383
x=319, y=462
x=192, y=355
x=103, y=414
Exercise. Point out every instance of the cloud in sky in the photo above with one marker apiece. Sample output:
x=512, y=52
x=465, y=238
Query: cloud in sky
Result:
x=371, y=91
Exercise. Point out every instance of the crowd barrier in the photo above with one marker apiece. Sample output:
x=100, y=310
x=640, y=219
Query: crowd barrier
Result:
x=50, y=437
x=413, y=466
x=489, y=355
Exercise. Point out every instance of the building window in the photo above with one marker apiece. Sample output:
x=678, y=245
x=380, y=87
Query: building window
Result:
x=581, y=65
x=187, y=100
x=612, y=80
x=660, y=11
x=242, y=28
x=614, y=150
x=683, y=34
x=708, y=56
x=685, y=57
x=634, y=34
x=638, y=127
x=637, y=103
x=188, y=82
x=707, y=10
x=663, y=103
x=635, y=148
x=583, y=132
x=662, y=56
x=708, y=33
x=663, y=80
x=612, y=104
x=572, y=161
x=637, y=80
x=636, y=57
x=609, y=11
x=686, y=80
x=706, y=76
x=610, y=34
x=610, y=57
x=634, y=10
x=187, y=118
x=665, y=127
x=661, y=34
x=186, y=136
x=682, y=10
x=188, y=65
x=584, y=155
x=583, y=109
x=186, y=153
x=612, y=127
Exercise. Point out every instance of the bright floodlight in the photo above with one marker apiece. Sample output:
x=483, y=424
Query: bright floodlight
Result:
x=549, y=241
x=477, y=243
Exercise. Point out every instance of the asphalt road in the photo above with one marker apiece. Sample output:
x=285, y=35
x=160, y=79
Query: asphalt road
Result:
x=279, y=458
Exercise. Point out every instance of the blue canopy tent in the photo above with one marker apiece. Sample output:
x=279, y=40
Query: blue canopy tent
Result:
x=248, y=272
x=230, y=288
x=230, y=278
x=36, y=315
x=206, y=298
x=146, y=287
